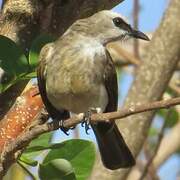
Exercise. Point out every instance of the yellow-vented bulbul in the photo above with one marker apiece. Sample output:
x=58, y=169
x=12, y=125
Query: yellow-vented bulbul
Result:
x=76, y=73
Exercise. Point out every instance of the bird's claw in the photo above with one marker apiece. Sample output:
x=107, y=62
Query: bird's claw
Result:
x=73, y=127
x=86, y=121
x=86, y=124
x=87, y=118
x=63, y=129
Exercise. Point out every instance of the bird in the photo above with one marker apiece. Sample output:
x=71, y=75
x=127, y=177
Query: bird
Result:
x=76, y=74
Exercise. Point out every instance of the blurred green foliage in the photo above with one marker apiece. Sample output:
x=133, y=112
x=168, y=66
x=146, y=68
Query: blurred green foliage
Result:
x=15, y=64
x=69, y=160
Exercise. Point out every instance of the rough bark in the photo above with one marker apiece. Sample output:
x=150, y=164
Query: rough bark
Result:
x=23, y=20
x=65, y=12
x=150, y=83
x=20, y=22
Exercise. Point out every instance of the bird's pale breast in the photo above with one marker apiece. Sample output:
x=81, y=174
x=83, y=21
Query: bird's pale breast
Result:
x=78, y=84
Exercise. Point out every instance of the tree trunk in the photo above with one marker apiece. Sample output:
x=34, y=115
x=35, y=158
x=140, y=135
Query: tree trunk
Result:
x=150, y=83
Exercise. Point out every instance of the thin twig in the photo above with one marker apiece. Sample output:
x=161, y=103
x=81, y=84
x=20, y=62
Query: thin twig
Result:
x=149, y=164
x=151, y=171
x=9, y=153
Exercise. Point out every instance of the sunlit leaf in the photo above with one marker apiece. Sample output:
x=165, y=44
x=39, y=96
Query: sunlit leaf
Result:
x=28, y=161
x=80, y=153
x=37, y=145
x=59, y=169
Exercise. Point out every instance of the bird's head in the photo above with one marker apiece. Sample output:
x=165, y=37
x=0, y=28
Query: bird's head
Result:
x=107, y=26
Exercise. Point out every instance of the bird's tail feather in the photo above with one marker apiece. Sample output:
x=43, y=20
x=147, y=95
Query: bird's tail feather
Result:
x=113, y=149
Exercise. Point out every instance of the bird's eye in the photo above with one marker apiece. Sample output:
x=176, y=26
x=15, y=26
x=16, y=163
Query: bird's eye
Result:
x=118, y=21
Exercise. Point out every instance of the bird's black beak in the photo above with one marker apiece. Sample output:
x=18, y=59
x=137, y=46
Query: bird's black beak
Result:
x=138, y=35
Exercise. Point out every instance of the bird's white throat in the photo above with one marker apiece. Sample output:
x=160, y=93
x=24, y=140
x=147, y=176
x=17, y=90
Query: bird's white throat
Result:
x=90, y=47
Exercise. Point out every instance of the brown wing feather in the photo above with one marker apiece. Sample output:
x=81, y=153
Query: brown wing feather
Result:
x=111, y=85
x=113, y=149
x=53, y=112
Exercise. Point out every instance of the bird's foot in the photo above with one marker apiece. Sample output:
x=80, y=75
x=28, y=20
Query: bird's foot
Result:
x=86, y=121
x=87, y=118
x=63, y=129
x=73, y=127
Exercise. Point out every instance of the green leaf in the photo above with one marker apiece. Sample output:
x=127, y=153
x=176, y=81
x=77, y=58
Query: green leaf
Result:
x=80, y=153
x=59, y=169
x=42, y=140
x=28, y=161
x=12, y=59
x=174, y=117
x=30, y=75
x=5, y=85
x=36, y=47
x=153, y=131
x=13, y=62
x=37, y=145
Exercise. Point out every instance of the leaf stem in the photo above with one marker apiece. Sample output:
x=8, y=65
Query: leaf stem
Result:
x=26, y=170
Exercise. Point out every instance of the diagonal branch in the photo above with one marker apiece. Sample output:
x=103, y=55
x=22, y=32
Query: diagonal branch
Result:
x=149, y=164
x=172, y=139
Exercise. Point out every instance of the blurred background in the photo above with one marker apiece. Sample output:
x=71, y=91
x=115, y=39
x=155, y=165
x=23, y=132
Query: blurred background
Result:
x=145, y=16
x=148, y=14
